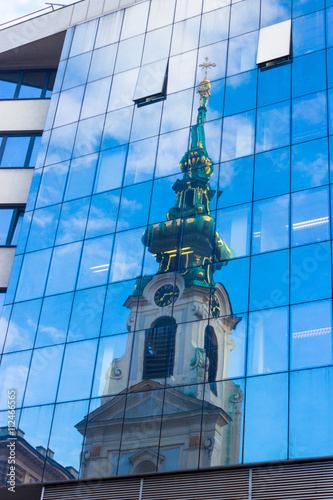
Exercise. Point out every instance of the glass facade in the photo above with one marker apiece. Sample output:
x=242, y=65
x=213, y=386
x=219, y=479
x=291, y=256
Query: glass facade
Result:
x=170, y=303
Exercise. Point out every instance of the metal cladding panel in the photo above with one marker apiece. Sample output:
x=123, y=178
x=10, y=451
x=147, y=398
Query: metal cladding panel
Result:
x=214, y=485
x=128, y=489
x=306, y=481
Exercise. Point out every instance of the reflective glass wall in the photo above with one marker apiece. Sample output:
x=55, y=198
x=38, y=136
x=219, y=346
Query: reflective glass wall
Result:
x=170, y=303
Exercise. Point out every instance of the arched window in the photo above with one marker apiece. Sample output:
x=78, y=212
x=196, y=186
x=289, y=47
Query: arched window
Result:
x=212, y=355
x=159, y=351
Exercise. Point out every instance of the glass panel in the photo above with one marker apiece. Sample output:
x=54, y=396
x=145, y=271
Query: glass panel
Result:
x=35, y=151
x=135, y=20
x=185, y=36
x=171, y=120
x=33, y=275
x=275, y=11
x=109, y=29
x=36, y=424
x=127, y=255
x=87, y=314
x=103, y=214
x=310, y=273
x=234, y=227
x=102, y=62
x=181, y=71
x=129, y=54
x=134, y=206
x=52, y=184
x=107, y=414
x=66, y=439
x=171, y=148
x=187, y=8
x=81, y=177
x=217, y=52
x=274, y=84
x=146, y=121
x=13, y=279
x=73, y=221
x=43, y=375
x=244, y=17
x=34, y=186
x=270, y=224
x=310, y=216
x=76, y=71
x=15, y=152
x=63, y=270
x=43, y=228
x=308, y=33
x=69, y=106
x=61, y=144
x=238, y=136
x=235, y=278
x=151, y=80
x=115, y=312
x=77, y=370
x=23, y=325
x=143, y=410
x=272, y=173
x=122, y=91
x=309, y=119
x=111, y=371
x=261, y=441
x=235, y=181
x=24, y=232
x=106, y=177
x=311, y=392
x=161, y=13
x=311, y=334
x=89, y=134
x=228, y=429
x=95, y=262
x=117, y=128
x=83, y=39
x=240, y=93
x=140, y=161
x=157, y=45
x=54, y=318
x=268, y=345
x=96, y=98
x=305, y=82
x=309, y=165
x=273, y=127
x=242, y=53
x=269, y=280
x=5, y=312
x=13, y=374
x=162, y=199
x=214, y=26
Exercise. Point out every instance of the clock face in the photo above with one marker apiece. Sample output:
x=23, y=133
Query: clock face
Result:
x=166, y=295
x=215, y=307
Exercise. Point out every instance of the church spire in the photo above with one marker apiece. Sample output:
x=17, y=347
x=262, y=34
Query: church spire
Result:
x=188, y=242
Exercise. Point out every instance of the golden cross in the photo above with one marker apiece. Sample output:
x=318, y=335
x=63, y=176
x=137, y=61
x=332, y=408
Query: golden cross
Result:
x=206, y=65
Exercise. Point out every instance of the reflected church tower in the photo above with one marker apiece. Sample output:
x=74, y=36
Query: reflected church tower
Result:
x=180, y=339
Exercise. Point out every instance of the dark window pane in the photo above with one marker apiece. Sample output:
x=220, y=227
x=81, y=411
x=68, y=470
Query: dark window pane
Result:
x=15, y=152
x=8, y=84
x=32, y=84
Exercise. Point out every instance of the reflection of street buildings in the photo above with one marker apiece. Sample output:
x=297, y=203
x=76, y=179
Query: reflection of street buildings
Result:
x=175, y=411
x=30, y=462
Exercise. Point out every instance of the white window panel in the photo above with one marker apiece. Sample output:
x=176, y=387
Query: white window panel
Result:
x=274, y=42
x=151, y=81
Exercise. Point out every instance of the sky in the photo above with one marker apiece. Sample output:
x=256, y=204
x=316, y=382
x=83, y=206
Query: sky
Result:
x=13, y=9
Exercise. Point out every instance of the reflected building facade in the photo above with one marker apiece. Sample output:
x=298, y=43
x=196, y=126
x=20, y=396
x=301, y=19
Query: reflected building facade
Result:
x=169, y=307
